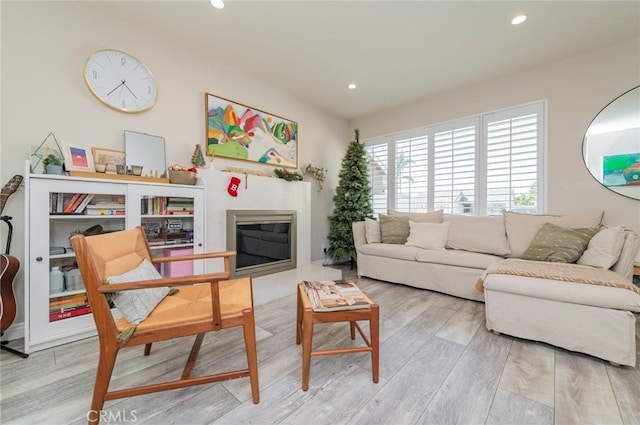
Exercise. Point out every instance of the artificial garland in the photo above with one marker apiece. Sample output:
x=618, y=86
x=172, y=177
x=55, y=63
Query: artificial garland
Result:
x=289, y=176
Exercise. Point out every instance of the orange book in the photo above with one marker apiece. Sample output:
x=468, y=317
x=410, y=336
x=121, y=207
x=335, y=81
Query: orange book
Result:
x=74, y=202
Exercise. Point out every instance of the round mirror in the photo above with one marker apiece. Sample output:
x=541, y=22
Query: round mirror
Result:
x=611, y=147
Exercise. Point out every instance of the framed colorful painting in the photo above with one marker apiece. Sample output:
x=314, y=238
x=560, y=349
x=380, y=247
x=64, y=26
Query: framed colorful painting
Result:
x=77, y=158
x=241, y=132
x=109, y=157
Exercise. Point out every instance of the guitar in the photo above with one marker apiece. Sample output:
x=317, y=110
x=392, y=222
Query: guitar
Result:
x=9, y=265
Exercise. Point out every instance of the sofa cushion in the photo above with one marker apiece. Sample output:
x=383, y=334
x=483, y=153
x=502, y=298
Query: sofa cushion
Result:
x=568, y=292
x=427, y=235
x=401, y=252
x=604, y=248
x=454, y=257
x=394, y=229
x=624, y=265
x=477, y=234
x=522, y=228
x=372, y=231
x=430, y=217
x=559, y=244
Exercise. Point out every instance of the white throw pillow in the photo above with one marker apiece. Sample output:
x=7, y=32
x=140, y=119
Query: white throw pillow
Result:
x=135, y=305
x=428, y=235
x=604, y=248
x=372, y=231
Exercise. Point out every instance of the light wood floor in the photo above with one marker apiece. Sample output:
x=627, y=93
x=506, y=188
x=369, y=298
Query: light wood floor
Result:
x=438, y=365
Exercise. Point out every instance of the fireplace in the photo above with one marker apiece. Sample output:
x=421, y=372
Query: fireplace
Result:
x=265, y=241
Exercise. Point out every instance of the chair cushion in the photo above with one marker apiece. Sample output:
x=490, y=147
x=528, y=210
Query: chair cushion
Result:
x=135, y=305
x=559, y=244
x=193, y=303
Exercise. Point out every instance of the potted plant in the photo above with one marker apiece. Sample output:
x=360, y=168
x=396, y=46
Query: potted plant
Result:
x=52, y=164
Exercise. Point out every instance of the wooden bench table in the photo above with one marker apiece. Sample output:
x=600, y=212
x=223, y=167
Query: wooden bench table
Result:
x=306, y=318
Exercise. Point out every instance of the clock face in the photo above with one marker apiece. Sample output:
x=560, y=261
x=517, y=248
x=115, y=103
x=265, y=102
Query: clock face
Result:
x=120, y=81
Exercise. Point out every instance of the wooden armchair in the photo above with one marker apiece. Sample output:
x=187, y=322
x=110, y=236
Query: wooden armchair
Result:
x=203, y=303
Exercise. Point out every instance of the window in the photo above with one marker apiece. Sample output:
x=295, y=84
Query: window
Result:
x=378, y=161
x=481, y=165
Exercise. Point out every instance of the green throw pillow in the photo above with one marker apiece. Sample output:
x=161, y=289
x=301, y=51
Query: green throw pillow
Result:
x=559, y=244
x=394, y=229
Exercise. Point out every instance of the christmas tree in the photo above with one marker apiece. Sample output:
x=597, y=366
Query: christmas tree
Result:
x=351, y=201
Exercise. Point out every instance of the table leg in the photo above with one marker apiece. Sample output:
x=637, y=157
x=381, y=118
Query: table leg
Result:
x=352, y=325
x=298, y=318
x=307, y=334
x=374, y=325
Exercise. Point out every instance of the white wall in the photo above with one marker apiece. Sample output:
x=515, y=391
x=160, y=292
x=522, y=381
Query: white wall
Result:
x=44, y=46
x=577, y=88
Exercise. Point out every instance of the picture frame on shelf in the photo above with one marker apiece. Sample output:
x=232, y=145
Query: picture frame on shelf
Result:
x=77, y=158
x=110, y=157
x=238, y=131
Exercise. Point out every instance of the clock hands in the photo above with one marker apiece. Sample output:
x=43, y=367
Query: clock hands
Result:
x=115, y=88
x=123, y=83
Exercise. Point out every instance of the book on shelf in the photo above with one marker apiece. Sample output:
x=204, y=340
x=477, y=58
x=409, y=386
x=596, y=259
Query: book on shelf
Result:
x=60, y=203
x=335, y=295
x=73, y=203
x=65, y=313
x=66, y=301
x=82, y=205
x=105, y=206
x=88, y=211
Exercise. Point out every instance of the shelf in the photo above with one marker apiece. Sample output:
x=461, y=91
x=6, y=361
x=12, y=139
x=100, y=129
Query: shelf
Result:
x=175, y=245
x=166, y=216
x=123, y=177
x=66, y=255
x=84, y=216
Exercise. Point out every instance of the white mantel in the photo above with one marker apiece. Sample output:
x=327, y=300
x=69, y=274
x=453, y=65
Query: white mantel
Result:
x=255, y=193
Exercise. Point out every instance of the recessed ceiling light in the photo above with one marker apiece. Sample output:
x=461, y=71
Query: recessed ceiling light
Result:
x=351, y=86
x=518, y=19
x=218, y=4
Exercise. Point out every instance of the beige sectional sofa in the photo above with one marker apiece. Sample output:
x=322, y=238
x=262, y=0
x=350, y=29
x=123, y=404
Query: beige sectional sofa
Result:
x=593, y=319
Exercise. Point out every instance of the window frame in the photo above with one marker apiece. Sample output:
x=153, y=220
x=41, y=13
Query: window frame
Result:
x=480, y=122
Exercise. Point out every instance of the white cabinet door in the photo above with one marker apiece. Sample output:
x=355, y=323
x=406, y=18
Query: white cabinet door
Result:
x=173, y=218
x=53, y=317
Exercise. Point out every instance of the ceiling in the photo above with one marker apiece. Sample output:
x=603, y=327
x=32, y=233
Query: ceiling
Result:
x=397, y=52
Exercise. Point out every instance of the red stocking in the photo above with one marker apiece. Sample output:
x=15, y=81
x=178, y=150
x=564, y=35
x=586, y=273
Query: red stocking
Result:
x=233, y=186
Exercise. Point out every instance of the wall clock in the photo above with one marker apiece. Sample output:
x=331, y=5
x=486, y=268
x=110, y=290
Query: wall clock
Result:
x=120, y=81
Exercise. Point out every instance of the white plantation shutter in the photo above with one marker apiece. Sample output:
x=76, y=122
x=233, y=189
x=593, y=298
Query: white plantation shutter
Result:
x=513, y=164
x=412, y=160
x=378, y=163
x=481, y=165
x=454, y=169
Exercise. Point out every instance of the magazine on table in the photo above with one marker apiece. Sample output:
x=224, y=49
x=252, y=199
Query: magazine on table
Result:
x=335, y=295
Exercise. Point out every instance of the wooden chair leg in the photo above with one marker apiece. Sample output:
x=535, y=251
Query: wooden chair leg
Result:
x=252, y=353
x=352, y=326
x=374, y=332
x=307, y=335
x=106, y=363
x=193, y=356
x=147, y=349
